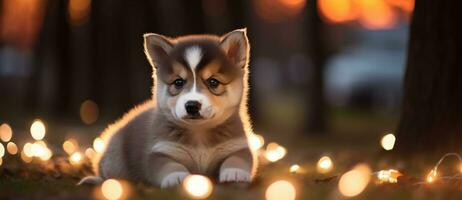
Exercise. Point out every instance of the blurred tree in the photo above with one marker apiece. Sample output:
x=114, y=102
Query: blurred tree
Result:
x=431, y=116
x=317, y=49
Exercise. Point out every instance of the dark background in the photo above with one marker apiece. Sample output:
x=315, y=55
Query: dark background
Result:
x=310, y=60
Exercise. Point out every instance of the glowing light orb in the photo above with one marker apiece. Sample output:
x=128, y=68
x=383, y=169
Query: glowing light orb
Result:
x=99, y=145
x=12, y=148
x=25, y=158
x=197, y=186
x=325, y=165
x=90, y=153
x=256, y=141
x=388, y=141
x=89, y=111
x=27, y=149
x=275, y=152
x=388, y=176
x=38, y=130
x=112, y=189
x=5, y=132
x=294, y=168
x=354, y=181
x=376, y=14
x=2, y=150
x=280, y=190
x=70, y=146
x=75, y=158
x=337, y=11
x=431, y=176
x=1, y=161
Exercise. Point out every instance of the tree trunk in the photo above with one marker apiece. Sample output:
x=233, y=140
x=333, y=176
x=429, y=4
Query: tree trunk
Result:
x=318, y=53
x=431, y=117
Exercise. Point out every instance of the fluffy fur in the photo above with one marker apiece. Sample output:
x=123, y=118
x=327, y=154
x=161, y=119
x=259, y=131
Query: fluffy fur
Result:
x=160, y=142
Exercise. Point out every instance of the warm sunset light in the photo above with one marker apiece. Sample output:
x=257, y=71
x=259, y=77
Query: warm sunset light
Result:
x=324, y=165
x=376, y=14
x=70, y=146
x=89, y=111
x=75, y=158
x=337, y=10
x=12, y=148
x=388, y=142
x=354, y=181
x=281, y=190
x=256, y=141
x=38, y=130
x=79, y=11
x=112, y=189
x=99, y=145
x=198, y=186
x=5, y=132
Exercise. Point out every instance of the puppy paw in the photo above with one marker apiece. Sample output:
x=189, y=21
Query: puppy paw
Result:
x=234, y=175
x=173, y=179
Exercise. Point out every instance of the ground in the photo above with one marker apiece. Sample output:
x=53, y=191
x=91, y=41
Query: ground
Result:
x=353, y=138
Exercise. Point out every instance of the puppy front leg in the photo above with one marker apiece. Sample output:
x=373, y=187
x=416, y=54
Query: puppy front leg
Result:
x=165, y=172
x=237, y=167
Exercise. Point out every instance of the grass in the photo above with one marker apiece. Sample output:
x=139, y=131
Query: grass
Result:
x=353, y=138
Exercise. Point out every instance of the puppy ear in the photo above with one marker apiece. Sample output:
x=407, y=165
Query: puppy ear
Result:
x=236, y=46
x=157, y=48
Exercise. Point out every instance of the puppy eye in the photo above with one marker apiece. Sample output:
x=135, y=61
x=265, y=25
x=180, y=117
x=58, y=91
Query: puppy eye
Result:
x=179, y=83
x=213, y=83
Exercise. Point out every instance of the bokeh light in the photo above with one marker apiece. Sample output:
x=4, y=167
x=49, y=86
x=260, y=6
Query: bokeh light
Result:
x=79, y=11
x=25, y=157
x=38, y=129
x=5, y=132
x=75, y=158
x=325, y=165
x=12, y=148
x=90, y=153
x=388, y=176
x=281, y=190
x=278, y=10
x=294, y=168
x=27, y=149
x=197, y=186
x=337, y=11
x=89, y=111
x=256, y=141
x=99, y=145
x=2, y=150
x=70, y=146
x=376, y=14
x=112, y=189
x=388, y=141
x=354, y=181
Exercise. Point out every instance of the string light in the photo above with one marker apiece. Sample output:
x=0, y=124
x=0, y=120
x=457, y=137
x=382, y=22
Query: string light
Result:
x=275, y=152
x=294, y=168
x=354, y=181
x=198, y=186
x=324, y=165
x=256, y=141
x=75, y=158
x=37, y=129
x=281, y=190
x=5, y=132
x=112, y=189
x=99, y=145
x=12, y=148
x=388, y=141
x=388, y=176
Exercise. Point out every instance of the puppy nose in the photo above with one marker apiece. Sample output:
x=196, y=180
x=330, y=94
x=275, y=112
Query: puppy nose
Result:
x=192, y=107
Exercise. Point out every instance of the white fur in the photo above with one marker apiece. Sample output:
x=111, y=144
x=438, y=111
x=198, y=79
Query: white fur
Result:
x=201, y=156
x=193, y=56
x=206, y=110
x=234, y=175
x=173, y=179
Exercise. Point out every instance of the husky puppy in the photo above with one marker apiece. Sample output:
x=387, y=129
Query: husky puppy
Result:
x=197, y=120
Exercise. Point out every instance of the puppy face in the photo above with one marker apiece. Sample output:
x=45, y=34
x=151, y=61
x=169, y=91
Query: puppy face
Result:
x=199, y=78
